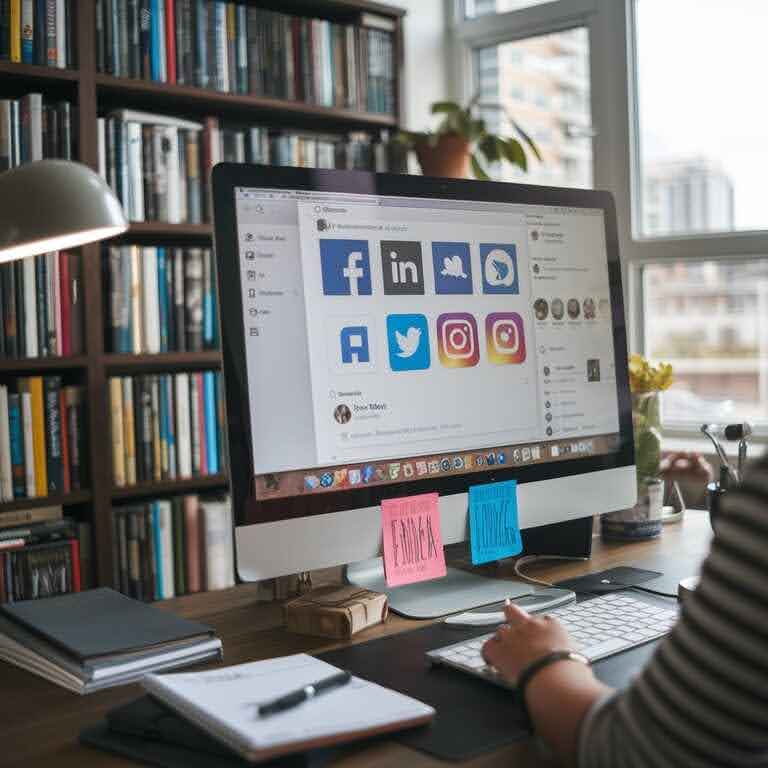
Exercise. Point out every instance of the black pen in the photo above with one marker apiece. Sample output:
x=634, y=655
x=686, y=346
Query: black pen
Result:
x=295, y=698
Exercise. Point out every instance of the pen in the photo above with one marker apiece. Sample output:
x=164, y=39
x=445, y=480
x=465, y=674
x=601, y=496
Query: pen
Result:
x=295, y=698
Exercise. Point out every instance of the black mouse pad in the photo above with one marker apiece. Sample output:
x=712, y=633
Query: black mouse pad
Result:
x=610, y=580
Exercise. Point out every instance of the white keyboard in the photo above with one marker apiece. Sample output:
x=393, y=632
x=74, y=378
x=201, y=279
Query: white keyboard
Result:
x=598, y=627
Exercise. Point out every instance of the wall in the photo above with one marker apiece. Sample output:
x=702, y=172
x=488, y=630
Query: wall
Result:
x=425, y=71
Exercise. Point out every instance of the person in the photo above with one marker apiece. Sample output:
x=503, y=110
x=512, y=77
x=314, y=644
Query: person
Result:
x=701, y=701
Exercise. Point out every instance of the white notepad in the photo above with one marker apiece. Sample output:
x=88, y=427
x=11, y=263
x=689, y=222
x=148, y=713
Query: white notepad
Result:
x=225, y=703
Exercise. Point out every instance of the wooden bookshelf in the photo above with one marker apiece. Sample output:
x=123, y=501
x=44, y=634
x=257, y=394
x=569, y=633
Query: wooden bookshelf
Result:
x=93, y=94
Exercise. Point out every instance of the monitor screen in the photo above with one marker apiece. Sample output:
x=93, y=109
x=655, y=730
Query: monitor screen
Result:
x=392, y=339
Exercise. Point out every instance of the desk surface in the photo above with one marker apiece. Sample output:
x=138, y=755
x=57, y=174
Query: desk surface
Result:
x=39, y=722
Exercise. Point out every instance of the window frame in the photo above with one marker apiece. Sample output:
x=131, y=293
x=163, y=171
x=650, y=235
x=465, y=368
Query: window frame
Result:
x=611, y=27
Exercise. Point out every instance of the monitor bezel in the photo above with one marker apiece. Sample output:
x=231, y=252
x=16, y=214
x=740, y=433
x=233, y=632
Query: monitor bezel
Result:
x=226, y=177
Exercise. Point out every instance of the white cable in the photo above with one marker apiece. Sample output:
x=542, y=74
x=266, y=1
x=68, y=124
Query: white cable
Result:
x=526, y=559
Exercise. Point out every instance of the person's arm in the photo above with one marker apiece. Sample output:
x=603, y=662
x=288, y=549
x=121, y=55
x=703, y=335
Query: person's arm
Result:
x=701, y=700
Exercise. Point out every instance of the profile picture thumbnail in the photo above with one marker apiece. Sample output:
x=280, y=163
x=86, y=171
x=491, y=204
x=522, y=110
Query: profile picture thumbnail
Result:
x=558, y=309
x=589, y=309
x=574, y=308
x=541, y=309
x=593, y=370
x=342, y=413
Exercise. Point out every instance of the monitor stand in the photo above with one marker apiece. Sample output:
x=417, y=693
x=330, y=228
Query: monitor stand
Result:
x=457, y=591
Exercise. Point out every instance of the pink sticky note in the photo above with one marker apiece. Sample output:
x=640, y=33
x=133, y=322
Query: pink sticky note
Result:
x=413, y=546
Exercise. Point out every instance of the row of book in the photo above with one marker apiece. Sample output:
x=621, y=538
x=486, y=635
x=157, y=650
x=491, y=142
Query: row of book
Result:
x=42, y=554
x=171, y=547
x=161, y=299
x=242, y=49
x=42, y=430
x=166, y=426
x=41, y=306
x=32, y=128
x=36, y=32
x=159, y=166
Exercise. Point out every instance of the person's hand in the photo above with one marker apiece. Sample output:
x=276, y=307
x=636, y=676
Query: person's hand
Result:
x=522, y=640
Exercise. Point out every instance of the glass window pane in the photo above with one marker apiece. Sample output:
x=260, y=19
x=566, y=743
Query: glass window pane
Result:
x=710, y=320
x=475, y=8
x=703, y=152
x=543, y=84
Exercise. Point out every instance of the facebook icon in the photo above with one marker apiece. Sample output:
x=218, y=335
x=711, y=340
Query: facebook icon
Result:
x=354, y=344
x=346, y=267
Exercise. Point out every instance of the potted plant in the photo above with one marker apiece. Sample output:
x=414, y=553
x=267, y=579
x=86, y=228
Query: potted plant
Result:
x=462, y=143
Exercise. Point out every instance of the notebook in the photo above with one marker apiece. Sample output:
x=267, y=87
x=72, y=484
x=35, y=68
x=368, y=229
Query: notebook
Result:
x=224, y=703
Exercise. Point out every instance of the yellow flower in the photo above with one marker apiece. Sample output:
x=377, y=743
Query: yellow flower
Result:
x=644, y=377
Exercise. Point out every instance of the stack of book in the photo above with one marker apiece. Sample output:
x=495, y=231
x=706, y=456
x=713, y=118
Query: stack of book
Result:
x=238, y=48
x=99, y=638
x=34, y=129
x=166, y=426
x=36, y=32
x=161, y=299
x=40, y=554
x=41, y=438
x=41, y=306
x=172, y=547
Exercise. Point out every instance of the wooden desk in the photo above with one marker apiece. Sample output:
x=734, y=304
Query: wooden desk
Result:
x=39, y=722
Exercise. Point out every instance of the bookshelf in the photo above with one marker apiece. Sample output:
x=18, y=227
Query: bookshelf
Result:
x=93, y=94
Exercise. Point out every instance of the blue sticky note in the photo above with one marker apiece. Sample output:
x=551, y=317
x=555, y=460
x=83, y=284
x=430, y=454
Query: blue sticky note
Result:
x=493, y=529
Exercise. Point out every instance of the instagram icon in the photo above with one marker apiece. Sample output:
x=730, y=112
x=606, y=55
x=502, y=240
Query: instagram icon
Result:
x=505, y=338
x=457, y=340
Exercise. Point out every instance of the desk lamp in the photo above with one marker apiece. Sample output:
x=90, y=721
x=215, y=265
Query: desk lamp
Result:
x=51, y=205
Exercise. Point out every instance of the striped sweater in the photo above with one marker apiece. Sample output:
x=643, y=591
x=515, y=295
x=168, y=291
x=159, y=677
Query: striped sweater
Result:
x=702, y=700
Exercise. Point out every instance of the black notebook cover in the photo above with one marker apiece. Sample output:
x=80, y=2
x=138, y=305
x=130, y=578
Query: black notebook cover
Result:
x=101, y=622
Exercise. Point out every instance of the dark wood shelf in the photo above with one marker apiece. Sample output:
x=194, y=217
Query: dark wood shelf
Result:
x=35, y=72
x=166, y=361
x=162, y=230
x=172, y=487
x=68, y=499
x=205, y=101
x=38, y=364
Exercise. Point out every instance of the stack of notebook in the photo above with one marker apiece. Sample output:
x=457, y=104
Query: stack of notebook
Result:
x=99, y=638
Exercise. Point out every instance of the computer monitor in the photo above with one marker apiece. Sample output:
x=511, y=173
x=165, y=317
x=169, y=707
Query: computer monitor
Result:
x=389, y=335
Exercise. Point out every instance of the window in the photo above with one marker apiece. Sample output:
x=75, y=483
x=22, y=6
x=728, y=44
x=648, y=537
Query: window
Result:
x=474, y=8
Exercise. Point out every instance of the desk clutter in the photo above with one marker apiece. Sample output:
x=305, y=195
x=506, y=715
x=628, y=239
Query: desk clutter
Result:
x=97, y=639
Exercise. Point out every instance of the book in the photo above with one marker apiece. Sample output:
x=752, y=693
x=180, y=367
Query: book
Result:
x=124, y=639
x=6, y=470
x=219, y=545
x=218, y=703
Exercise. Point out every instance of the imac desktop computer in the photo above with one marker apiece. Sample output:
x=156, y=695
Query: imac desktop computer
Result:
x=388, y=335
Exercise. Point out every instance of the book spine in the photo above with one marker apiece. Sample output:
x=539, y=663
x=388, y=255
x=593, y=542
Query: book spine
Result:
x=170, y=427
x=156, y=448
x=159, y=159
x=50, y=33
x=209, y=304
x=65, y=460
x=123, y=39
x=125, y=304
x=146, y=429
x=118, y=436
x=242, y=49
x=194, y=190
x=66, y=309
x=157, y=540
x=137, y=310
x=162, y=304
x=211, y=431
x=150, y=301
x=152, y=589
x=163, y=421
x=52, y=388
x=129, y=431
x=41, y=303
x=101, y=62
x=5, y=21
x=179, y=547
x=148, y=171
x=170, y=148
x=199, y=406
x=135, y=173
x=166, y=540
x=156, y=33
x=183, y=192
x=38, y=435
x=178, y=300
x=15, y=31
x=193, y=291
x=27, y=31
x=201, y=43
x=16, y=430
x=134, y=556
x=170, y=41
x=54, y=301
x=76, y=582
x=183, y=428
x=222, y=66
x=29, y=448
x=75, y=304
x=134, y=38
x=219, y=568
x=8, y=288
x=193, y=561
x=145, y=36
x=74, y=400
x=6, y=467
x=231, y=28
x=122, y=541
x=194, y=423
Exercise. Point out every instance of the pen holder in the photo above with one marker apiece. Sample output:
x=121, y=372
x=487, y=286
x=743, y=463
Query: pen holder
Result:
x=715, y=496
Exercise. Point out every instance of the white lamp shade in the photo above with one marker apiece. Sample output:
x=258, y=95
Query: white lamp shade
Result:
x=55, y=204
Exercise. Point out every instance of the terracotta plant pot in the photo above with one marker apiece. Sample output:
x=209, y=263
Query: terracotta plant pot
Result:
x=449, y=158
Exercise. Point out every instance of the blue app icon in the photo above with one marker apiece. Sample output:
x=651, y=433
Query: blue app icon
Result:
x=369, y=472
x=408, y=339
x=354, y=344
x=453, y=268
x=499, y=266
x=346, y=267
x=326, y=479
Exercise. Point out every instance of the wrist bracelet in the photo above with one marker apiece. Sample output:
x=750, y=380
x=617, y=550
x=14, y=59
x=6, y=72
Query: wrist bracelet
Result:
x=531, y=670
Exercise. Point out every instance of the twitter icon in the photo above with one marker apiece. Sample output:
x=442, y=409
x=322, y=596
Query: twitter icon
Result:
x=453, y=268
x=408, y=338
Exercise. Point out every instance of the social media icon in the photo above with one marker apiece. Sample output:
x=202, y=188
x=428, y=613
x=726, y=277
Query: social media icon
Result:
x=381, y=473
x=458, y=462
x=408, y=470
x=421, y=468
x=501, y=458
x=434, y=467
x=326, y=479
x=453, y=268
x=408, y=339
x=346, y=267
x=517, y=455
x=394, y=471
x=468, y=461
x=479, y=459
x=457, y=340
x=505, y=338
x=369, y=472
x=401, y=267
x=354, y=344
x=536, y=453
x=499, y=265
x=490, y=459
x=340, y=477
x=445, y=464
x=355, y=476
x=311, y=482
x=526, y=454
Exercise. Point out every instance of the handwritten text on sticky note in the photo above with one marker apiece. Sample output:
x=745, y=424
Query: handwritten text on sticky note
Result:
x=493, y=528
x=413, y=546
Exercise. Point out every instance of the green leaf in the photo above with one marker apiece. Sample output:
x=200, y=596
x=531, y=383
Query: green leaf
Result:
x=515, y=154
x=477, y=130
x=445, y=106
x=526, y=138
x=490, y=149
x=477, y=169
